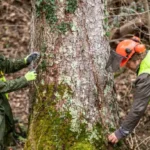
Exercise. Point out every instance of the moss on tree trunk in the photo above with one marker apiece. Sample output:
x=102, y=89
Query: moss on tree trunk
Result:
x=51, y=127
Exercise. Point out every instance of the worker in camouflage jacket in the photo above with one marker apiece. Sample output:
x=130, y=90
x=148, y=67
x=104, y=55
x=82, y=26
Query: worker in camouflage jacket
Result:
x=132, y=54
x=8, y=66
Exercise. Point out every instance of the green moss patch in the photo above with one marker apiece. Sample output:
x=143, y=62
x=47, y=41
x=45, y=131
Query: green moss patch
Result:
x=48, y=9
x=82, y=146
x=51, y=126
x=71, y=6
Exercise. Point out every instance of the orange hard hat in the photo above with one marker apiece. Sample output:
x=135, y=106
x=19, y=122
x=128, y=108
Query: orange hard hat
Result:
x=127, y=48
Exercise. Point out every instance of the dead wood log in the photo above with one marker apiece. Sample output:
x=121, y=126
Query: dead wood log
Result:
x=128, y=28
x=127, y=2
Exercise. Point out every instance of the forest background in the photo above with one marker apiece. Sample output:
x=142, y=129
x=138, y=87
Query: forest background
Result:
x=123, y=19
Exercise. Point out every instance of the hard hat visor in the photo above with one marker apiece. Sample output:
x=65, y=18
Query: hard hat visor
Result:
x=114, y=61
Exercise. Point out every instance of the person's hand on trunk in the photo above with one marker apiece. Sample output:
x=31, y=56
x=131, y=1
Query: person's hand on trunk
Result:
x=32, y=57
x=112, y=138
x=31, y=76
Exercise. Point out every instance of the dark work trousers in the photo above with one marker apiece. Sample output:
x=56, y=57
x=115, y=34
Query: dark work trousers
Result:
x=6, y=122
x=2, y=127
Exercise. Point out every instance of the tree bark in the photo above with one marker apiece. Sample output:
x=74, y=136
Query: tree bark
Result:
x=75, y=105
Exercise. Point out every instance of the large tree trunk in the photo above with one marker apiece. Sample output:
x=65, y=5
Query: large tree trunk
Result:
x=75, y=105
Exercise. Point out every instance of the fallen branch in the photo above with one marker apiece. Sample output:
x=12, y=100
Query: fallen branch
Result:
x=128, y=28
x=148, y=138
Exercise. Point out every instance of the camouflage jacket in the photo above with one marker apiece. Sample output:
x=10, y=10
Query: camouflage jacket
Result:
x=8, y=66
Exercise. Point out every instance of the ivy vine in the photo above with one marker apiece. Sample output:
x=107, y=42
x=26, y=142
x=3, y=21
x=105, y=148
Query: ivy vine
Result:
x=49, y=8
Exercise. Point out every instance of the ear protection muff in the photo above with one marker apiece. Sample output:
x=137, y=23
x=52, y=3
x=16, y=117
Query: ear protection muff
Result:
x=140, y=48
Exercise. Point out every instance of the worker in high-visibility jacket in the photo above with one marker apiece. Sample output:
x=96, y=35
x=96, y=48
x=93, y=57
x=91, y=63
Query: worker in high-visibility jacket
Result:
x=132, y=54
x=8, y=66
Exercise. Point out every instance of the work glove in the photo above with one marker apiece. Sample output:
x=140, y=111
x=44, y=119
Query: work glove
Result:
x=31, y=75
x=32, y=57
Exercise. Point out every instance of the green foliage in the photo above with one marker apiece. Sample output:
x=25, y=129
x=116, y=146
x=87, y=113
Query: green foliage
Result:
x=118, y=146
x=111, y=129
x=47, y=8
x=63, y=27
x=82, y=146
x=107, y=33
x=43, y=65
x=71, y=6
